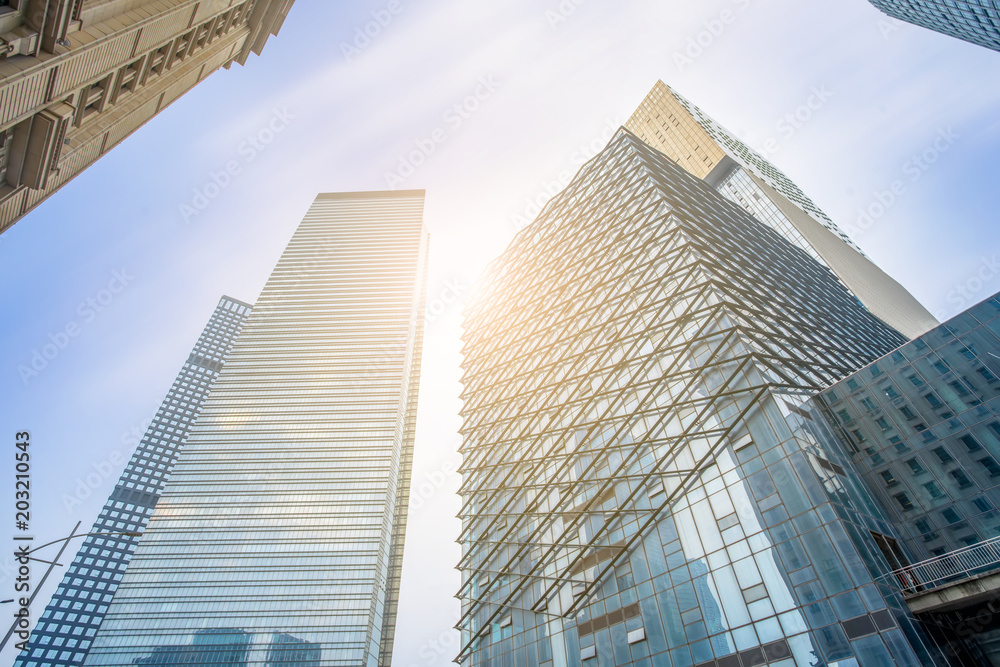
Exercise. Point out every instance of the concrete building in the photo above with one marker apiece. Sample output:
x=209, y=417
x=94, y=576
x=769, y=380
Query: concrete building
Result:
x=72, y=618
x=975, y=21
x=688, y=136
x=278, y=538
x=78, y=76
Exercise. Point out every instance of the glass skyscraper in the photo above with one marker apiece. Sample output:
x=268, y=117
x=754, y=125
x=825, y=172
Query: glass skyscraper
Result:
x=922, y=428
x=68, y=625
x=976, y=21
x=645, y=480
x=691, y=138
x=279, y=536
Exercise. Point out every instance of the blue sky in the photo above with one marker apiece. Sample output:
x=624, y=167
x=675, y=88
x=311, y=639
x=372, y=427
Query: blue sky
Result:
x=542, y=85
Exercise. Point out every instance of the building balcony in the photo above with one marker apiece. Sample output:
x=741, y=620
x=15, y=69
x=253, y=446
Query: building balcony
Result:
x=961, y=578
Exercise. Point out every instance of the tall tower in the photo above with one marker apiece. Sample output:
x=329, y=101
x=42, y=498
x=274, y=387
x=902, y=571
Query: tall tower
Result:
x=78, y=76
x=67, y=627
x=684, y=133
x=278, y=539
x=975, y=21
x=922, y=428
x=643, y=479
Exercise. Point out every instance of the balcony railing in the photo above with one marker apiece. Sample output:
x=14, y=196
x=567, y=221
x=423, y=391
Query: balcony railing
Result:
x=948, y=569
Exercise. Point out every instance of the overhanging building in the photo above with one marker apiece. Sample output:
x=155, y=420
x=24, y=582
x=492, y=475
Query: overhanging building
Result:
x=688, y=136
x=975, y=21
x=645, y=480
x=278, y=539
x=78, y=76
x=72, y=618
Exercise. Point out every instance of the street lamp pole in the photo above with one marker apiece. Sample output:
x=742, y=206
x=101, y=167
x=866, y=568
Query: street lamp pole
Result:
x=65, y=543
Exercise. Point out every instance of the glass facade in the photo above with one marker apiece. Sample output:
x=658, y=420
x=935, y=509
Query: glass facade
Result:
x=976, y=21
x=673, y=115
x=68, y=625
x=739, y=188
x=922, y=426
x=698, y=144
x=278, y=539
x=645, y=481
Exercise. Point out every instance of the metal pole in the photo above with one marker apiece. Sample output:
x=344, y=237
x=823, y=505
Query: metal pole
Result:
x=41, y=583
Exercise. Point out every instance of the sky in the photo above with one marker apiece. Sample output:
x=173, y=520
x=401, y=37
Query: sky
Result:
x=491, y=106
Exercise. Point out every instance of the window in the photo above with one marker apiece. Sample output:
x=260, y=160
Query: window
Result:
x=907, y=412
x=991, y=466
x=916, y=467
x=890, y=479
x=890, y=550
x=904, y=501
x=933, y=491
x=961, y=479
x=932, y=400
x=982, y=504
x=93, y=99
x=943, y=455
x=951, y=516
x=128, y=79
x=971, y=443
x=915, y=380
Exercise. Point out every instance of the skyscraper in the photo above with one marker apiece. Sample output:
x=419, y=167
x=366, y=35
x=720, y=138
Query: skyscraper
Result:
x=69, y=623
x=644, y=480
x=922, y=427
x=976, y=21
x=684, y=133
x=78, y=77
x=279, y=536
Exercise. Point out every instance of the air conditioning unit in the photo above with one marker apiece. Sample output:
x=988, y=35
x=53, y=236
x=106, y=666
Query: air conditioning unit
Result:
x=37, y=145
x=19, y=42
